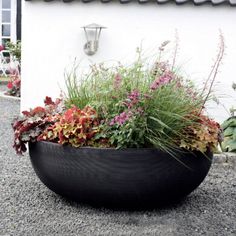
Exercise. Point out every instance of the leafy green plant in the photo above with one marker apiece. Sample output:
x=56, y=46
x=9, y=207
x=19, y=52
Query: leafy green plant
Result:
x=229, y=132
x=228, y=143
x=14, y=49
x=143, y=107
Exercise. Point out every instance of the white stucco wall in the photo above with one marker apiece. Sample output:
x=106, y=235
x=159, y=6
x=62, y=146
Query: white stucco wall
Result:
x=52, y=38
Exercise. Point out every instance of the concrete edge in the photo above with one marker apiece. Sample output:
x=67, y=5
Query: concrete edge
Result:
x=2, y=95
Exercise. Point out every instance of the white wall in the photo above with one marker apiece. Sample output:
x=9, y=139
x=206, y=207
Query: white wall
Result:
x=52, y=38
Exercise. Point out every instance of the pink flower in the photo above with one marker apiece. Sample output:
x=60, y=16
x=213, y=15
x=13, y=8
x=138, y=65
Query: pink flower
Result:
x=112, y=122
x=132, y=99
x=134, y=95
x=162, y=80
x=117, y=81
x=121, y=118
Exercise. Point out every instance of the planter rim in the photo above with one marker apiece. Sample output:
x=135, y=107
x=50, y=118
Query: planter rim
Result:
x=179, y=150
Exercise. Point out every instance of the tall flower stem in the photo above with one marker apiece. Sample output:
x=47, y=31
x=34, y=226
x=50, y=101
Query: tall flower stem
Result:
x=214, y=71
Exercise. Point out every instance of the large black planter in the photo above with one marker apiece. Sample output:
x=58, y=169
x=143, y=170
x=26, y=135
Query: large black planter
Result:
x=118, y=178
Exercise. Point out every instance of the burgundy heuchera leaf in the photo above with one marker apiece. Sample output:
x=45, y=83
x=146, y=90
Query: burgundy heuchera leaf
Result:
x=28, y=127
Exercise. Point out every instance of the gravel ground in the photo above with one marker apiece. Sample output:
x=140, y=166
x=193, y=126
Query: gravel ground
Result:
x=29, y=208
x=3, y=86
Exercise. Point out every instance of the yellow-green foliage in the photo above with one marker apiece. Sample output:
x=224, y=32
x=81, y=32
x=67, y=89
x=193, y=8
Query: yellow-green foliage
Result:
x=201, y=135
x=75, y=127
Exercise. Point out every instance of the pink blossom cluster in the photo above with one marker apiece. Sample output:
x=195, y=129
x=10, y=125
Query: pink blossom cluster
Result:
x=117, y=81
x=125, y=116
x=133, y=98
x=162, y=80
x=121, y=118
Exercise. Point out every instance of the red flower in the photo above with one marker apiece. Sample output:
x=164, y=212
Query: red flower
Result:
x=10, y=85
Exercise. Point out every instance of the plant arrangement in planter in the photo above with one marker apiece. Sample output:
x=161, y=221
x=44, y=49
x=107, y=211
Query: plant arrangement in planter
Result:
x=124, y=136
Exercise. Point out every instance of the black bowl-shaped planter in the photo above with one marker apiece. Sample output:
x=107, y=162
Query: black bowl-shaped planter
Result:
x=129, y=178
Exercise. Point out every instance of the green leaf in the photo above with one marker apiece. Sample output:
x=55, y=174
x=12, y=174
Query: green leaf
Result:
x=163, y=125
x=229, y=131
x=228, y=145
x=231, y=122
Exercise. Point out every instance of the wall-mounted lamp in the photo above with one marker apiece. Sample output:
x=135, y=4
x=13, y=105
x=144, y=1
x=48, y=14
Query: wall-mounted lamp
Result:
x=92, y=33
